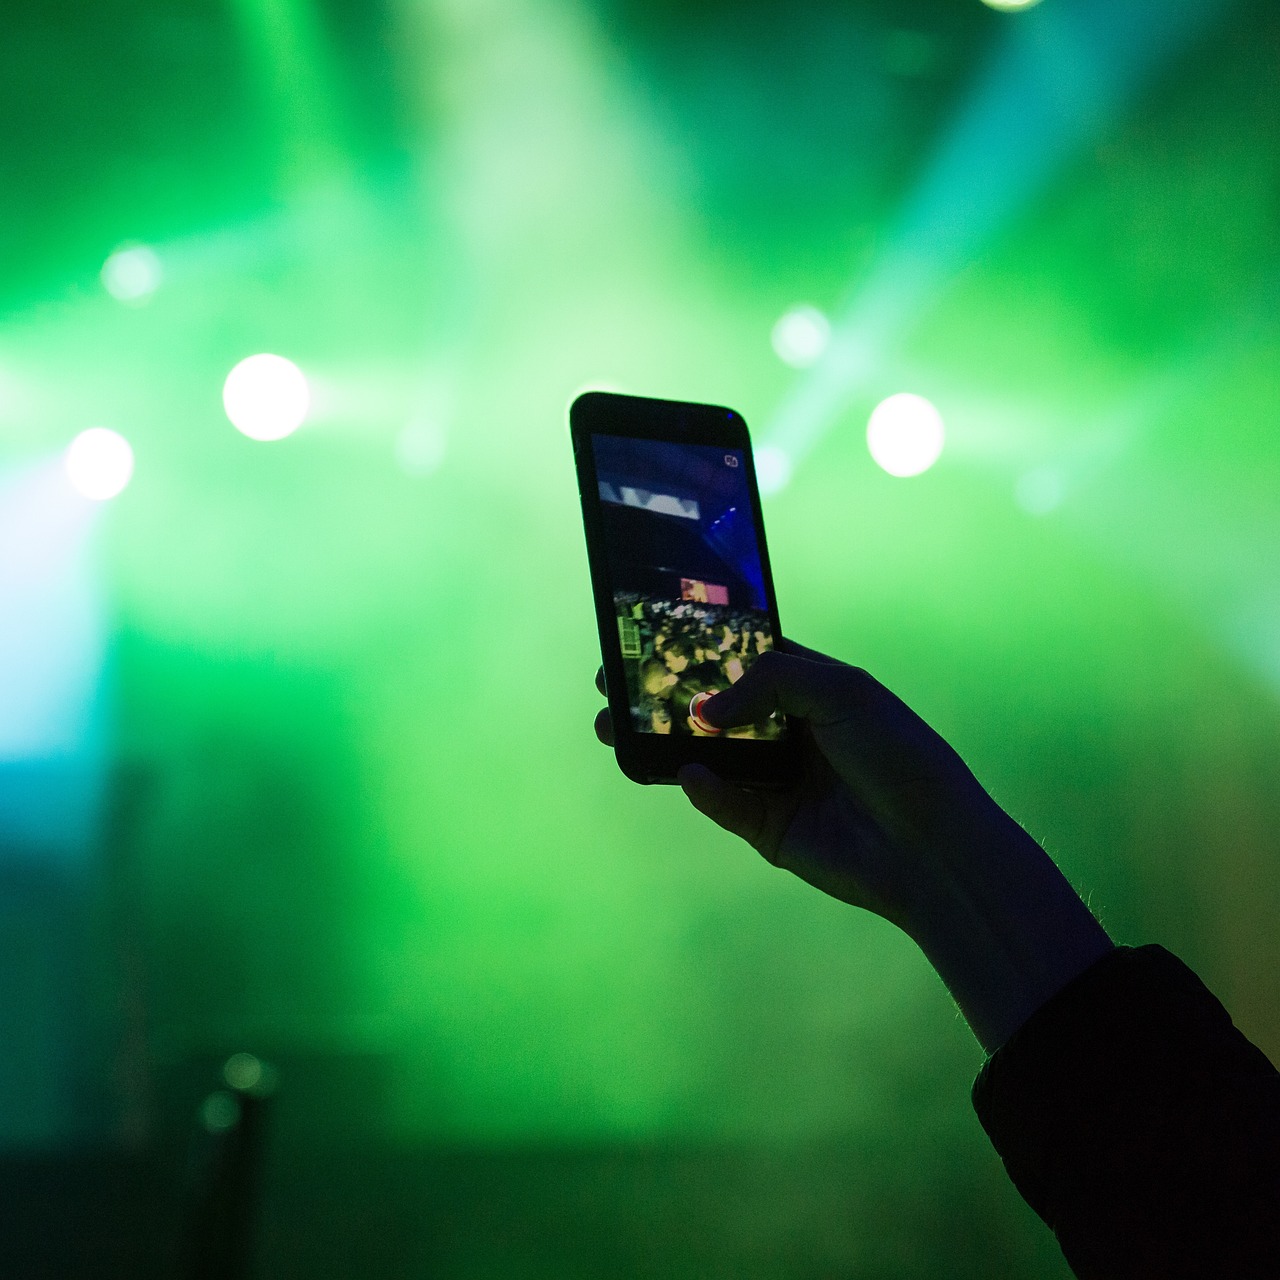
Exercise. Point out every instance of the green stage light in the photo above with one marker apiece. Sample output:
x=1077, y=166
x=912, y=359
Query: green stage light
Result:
x=132, y=273
x=243, y=1072
x=1040, y=490
x=266, y=397
x=99, y=463
x=801, y=335
x=420, y=448
x=219, y=1112
x=905, y=434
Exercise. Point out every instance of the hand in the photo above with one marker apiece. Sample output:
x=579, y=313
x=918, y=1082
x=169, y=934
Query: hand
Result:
x=882, y=796
x=888, y=817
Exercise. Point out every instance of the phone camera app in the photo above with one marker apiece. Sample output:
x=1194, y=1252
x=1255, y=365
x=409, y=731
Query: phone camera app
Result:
x=688, y=585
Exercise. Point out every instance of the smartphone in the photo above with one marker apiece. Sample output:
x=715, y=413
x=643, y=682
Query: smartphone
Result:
x=680, y=573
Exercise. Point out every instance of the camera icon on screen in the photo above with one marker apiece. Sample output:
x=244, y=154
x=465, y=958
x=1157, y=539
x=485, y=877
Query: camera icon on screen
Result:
x=730, y=460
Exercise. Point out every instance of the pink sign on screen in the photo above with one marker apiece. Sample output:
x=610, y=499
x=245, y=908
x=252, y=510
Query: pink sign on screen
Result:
x=703, y=592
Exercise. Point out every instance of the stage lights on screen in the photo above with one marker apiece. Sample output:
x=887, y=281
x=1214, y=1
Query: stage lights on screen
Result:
x=266, y=397
x=99, y=463
x=1010, y=6
x=905, y=434
x=132, y=274
x=801, y=336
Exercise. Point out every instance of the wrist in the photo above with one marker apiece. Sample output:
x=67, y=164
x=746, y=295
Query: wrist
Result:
x=1005, y=931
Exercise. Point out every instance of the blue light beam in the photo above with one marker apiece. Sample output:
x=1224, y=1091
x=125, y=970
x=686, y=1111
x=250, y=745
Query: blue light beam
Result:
x=52, y=652
x=1059, y=74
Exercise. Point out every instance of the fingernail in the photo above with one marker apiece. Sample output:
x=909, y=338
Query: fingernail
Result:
x=707, y=711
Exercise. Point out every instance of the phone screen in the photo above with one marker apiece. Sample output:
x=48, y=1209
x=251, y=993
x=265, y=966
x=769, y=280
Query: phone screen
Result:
x=685, y=571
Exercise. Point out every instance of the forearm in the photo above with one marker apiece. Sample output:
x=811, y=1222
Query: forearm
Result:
x=1005, y=931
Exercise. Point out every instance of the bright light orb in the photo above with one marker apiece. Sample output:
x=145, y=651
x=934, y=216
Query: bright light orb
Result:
x=266, y=397
x=132, y=274
x=801, y=336
x=99, y=463
x=1010, y=6
x=773, y=469
x=905, y=434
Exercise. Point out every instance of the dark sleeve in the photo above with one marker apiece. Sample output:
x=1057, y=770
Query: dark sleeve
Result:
x=1141, y=1125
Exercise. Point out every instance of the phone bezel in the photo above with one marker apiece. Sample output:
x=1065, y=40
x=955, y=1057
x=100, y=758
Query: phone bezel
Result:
x=648, y=757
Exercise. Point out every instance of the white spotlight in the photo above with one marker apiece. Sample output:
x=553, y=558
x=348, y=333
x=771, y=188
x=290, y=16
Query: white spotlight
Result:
x=99, y=463
x=132, y=273
x=1010, y=6
x=773, y=469
x=266, y=397
x=801, y=336
x=905, y=434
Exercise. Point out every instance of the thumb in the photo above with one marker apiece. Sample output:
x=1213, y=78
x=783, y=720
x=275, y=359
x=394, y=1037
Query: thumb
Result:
x=819, y=692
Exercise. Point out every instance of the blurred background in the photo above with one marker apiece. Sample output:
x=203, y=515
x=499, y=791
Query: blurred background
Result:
x=295, y=665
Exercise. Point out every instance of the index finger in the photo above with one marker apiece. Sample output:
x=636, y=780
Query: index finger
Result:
x=803, y=651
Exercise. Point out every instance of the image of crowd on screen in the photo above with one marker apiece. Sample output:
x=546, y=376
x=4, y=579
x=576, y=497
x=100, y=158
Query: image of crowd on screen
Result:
x=675, y=650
